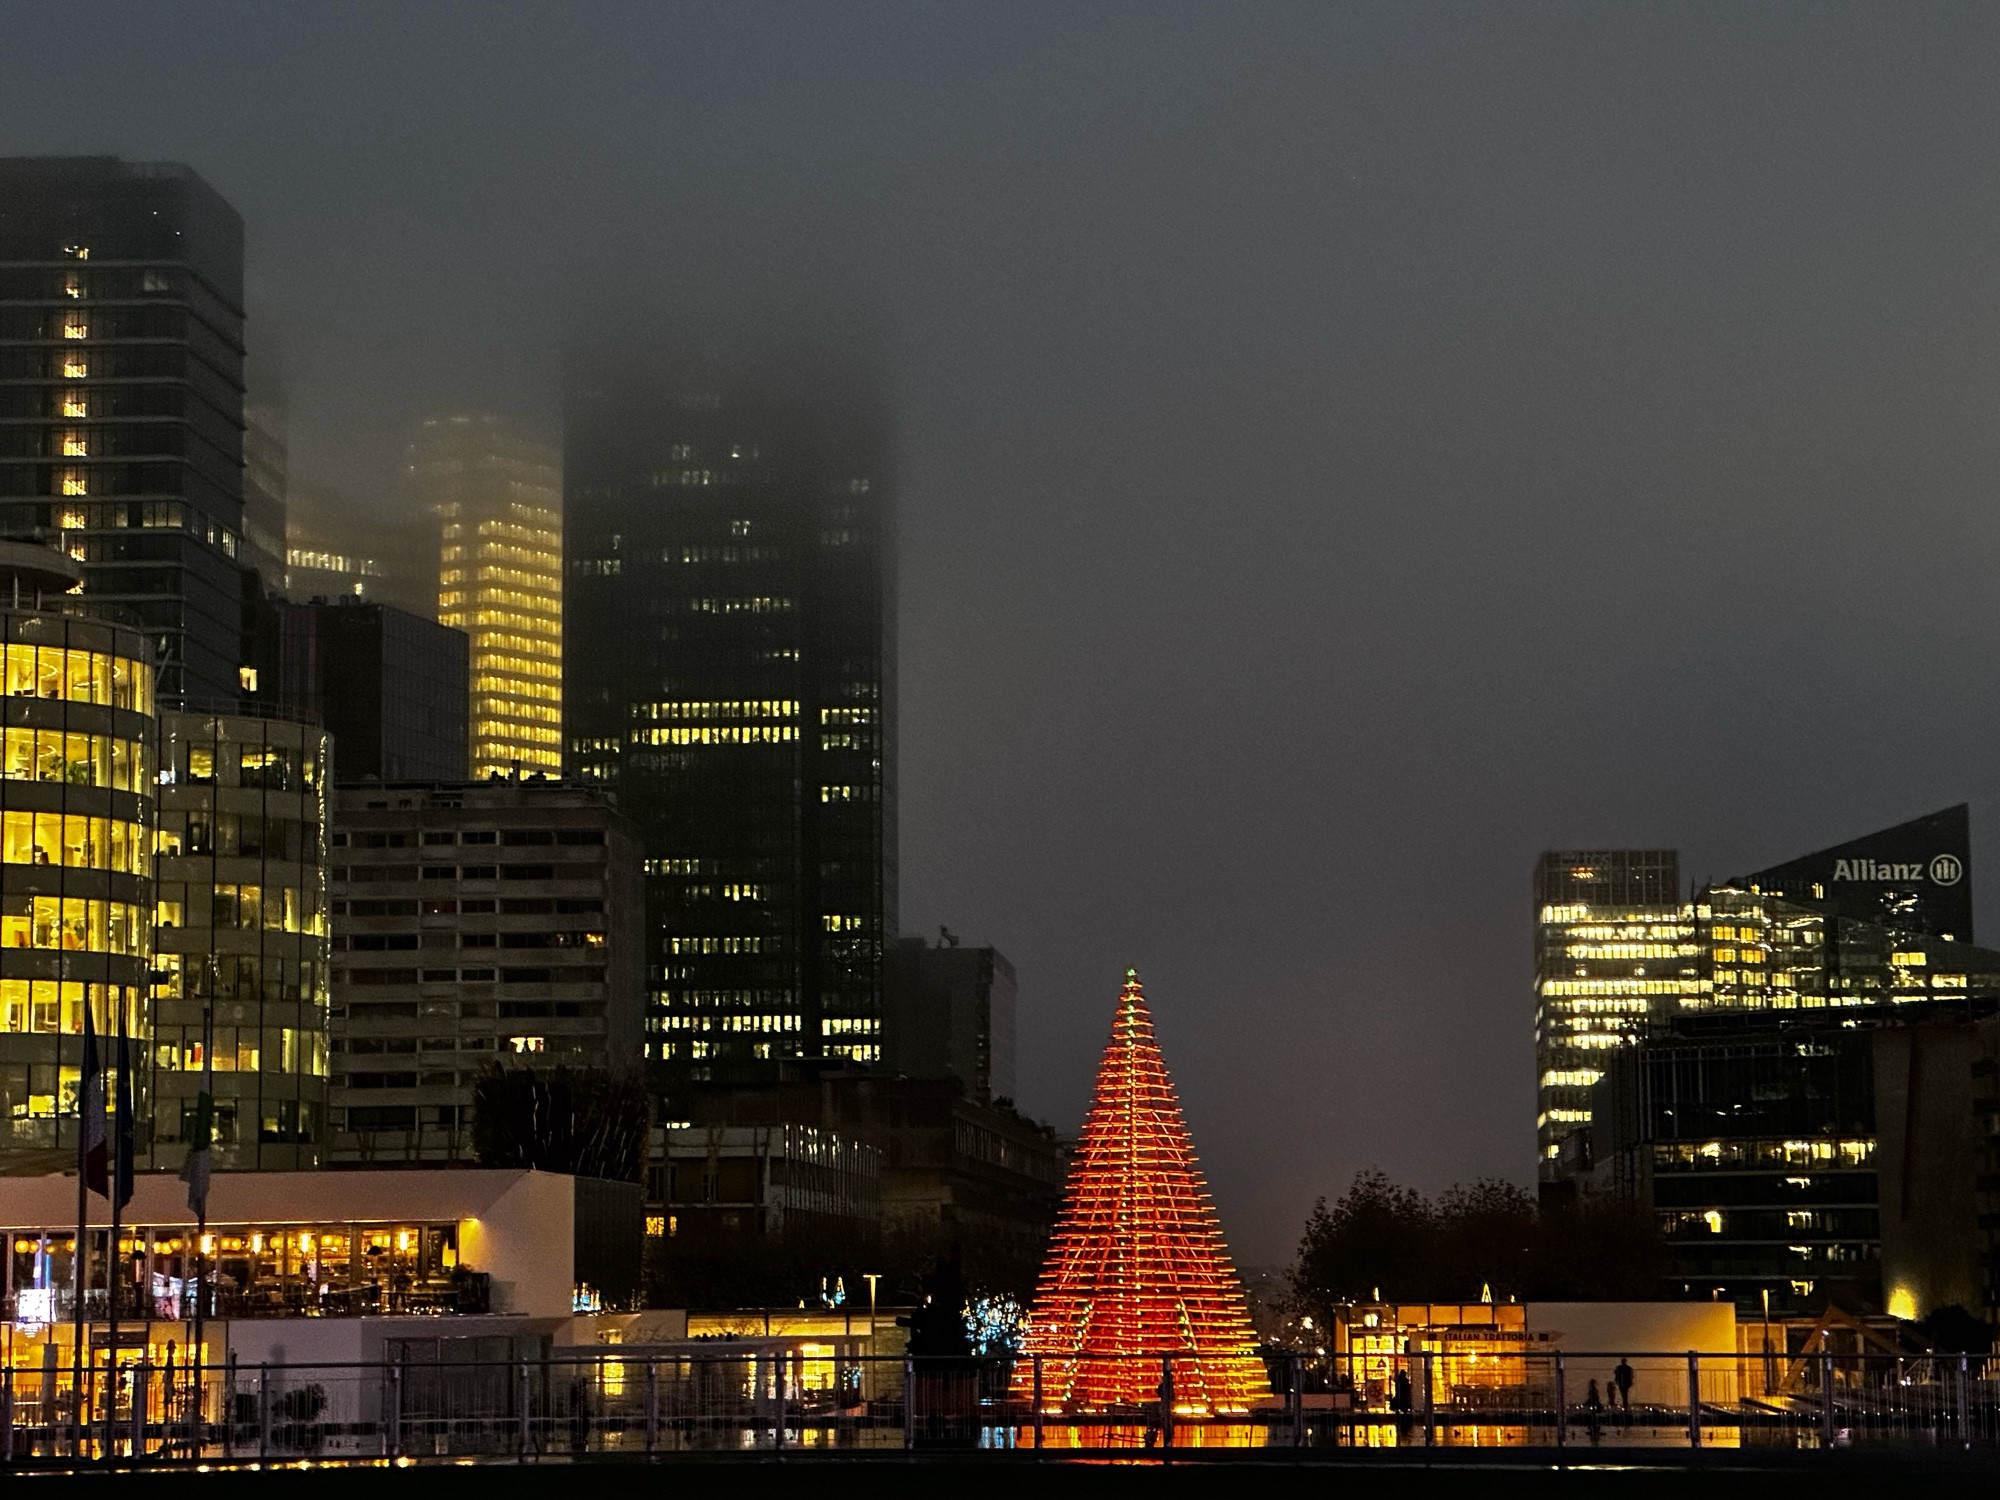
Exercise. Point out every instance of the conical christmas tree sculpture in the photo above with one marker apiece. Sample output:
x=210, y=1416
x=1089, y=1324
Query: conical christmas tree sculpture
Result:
x=1137, y=1269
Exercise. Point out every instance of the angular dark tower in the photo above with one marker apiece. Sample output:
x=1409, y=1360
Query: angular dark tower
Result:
x=729, y=671
x=121, y=399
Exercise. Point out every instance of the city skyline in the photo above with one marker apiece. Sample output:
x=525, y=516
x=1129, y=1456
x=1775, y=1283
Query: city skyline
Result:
x=1343, y=456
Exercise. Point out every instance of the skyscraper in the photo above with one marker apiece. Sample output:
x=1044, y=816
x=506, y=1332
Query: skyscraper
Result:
x=1614, y=945
x=498, y=501
x=731, y=674
x=121, y=398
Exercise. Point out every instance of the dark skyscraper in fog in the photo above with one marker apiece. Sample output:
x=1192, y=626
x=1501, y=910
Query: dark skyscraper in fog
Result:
x=729, y=669
x=121, y=398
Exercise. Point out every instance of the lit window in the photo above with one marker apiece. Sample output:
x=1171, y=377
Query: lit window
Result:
x=74, y=482
x=72, y=285
x=528, y=1043
x=76, y=326
x=75, y=367
x=76, y=445
x=76, y=405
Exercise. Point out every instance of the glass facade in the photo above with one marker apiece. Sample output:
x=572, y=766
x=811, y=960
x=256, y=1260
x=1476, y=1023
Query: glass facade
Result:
x=121, y=398
x=498, y=500
x=240, y=981
x=1614, y=946
x=730, y=609
x=76, y=827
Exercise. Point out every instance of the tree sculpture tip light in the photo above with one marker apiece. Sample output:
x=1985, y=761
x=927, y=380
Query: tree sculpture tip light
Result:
x=1137, y=1270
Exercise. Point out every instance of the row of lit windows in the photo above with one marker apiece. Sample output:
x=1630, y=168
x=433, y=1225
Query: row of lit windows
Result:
x=72, y=924
x=721, y=555
x=73, y=840
x=724, y=734
x=535, y=579
x=1633, y=986
x=731, y=999
x=728, y=708
x=1851, y=1152
x=332, y=562
x=542, y=529
x=836, y=922
x=232, y=904
x=501, y=760
x=1570, y=1078
x=849, y=1026
x=847, y=716
x=77, y=676
x=501, y=648
x=519, y=687
x=544, y=662
x=451, y=601
x=847, y=794
x=761, y=605
x=74, y=759
x=538, y=559
x=525, y=734
x=50, y=1006
x=490, y=714
x=543, y=629
x=867, y=1052
x=241, y=1049
x=731, y=1023
x=696, y=945
x=1632, y=950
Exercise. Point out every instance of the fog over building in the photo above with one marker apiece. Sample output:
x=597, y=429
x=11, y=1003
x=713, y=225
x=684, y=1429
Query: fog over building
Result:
x=495, y=498
x=730, y=674
x=122, y=354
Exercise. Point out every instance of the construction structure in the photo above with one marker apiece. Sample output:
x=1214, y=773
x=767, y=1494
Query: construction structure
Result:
x=1139, y=1301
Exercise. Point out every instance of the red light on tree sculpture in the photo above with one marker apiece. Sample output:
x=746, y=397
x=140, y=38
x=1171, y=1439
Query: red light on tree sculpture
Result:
x=1137, y=1269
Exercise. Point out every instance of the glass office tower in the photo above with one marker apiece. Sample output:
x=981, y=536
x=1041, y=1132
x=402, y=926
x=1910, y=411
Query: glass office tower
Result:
x=240, y=978
x=1614, y=946
x=121, y=398
x=76, y=887
x=730, y=674
x=498, y=501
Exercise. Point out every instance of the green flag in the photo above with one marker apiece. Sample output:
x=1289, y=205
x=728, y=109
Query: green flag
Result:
x=195, y=1172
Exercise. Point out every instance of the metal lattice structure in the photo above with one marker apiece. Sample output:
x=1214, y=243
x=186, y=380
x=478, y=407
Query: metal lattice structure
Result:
x=1137, y=1265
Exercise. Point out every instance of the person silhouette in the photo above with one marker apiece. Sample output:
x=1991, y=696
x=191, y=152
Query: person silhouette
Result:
x=1621, y=1381
x=1593, y=1406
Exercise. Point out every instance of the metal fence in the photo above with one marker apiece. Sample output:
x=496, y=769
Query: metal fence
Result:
x=640, y=1402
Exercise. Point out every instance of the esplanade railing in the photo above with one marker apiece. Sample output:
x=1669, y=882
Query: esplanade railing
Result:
x=779, y=1397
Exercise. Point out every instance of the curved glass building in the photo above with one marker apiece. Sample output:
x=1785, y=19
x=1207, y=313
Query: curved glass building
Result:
x=240, y=983
x=76, y=830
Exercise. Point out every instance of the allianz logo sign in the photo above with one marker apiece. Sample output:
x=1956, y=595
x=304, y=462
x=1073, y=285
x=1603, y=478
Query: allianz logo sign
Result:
x=1943, y=869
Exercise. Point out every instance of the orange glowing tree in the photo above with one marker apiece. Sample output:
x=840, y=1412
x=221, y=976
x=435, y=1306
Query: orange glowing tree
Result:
x=1137, y=1270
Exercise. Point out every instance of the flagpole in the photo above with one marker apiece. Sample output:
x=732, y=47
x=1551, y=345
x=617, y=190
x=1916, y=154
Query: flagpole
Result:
x=78, y=1281
x=117, y=1180
x=194, y=1172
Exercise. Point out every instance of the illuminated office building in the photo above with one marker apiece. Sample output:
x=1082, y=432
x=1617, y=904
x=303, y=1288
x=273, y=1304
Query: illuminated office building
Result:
x=498, y=501
x=240, y=971
x=76, y=889
x=730, y=676
x=1782, y=1068
x=1614, y=946
x=121, y=399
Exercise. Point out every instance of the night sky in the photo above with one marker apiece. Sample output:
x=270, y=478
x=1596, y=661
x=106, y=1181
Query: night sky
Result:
x=1346, y=449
